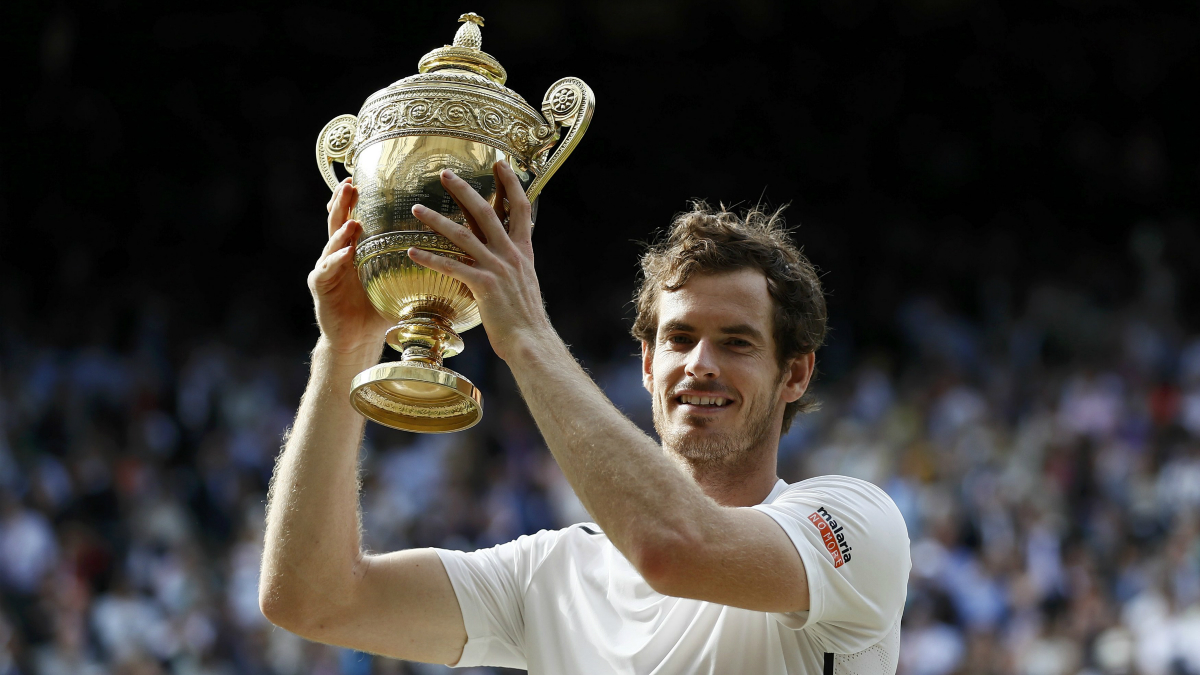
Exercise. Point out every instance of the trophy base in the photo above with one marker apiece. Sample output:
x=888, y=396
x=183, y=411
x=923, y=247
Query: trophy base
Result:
x=416, y=396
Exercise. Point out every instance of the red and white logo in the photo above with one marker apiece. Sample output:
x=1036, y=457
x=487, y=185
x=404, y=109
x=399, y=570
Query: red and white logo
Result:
x=832, y=536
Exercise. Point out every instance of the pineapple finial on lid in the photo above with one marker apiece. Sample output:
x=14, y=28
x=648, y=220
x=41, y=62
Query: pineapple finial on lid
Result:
x=468, y=34
x=465, y=53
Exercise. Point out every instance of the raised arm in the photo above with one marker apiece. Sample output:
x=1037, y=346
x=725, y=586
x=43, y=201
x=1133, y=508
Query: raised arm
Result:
x=681, y=541
x=316, y=580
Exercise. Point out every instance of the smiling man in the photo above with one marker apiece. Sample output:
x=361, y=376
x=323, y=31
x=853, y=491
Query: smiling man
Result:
x=700, y=560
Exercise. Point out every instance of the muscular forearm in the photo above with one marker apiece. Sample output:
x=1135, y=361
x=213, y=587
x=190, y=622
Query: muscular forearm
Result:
x=680, y=540
x=312, y=548
x=640, y=497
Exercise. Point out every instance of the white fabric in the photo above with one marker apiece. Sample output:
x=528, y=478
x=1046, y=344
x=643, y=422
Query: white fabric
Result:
x=567, y=602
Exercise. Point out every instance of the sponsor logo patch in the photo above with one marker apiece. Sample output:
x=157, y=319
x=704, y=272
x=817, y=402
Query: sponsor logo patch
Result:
x=832, y=536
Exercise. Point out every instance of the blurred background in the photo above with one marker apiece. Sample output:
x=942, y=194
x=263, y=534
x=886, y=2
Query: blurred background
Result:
x=1002, y=197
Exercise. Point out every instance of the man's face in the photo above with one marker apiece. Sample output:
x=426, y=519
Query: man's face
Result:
x=717, y=386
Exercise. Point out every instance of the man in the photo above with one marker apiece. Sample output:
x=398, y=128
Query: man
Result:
x=700, y=559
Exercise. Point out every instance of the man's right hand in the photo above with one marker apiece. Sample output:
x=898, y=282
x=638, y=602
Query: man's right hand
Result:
x=316, y=580
x=348, y=321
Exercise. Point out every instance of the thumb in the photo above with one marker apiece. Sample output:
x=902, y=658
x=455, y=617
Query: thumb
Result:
x=331, y=268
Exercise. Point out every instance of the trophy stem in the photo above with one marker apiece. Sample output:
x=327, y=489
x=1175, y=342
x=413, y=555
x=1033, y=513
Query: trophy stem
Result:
x=427, y=338
x=422, y=353
x=417, y=393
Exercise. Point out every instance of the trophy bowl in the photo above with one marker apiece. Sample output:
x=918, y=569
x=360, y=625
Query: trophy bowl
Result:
x=454, y=114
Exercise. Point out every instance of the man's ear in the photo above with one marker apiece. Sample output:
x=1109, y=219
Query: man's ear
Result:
x=647, y=367
x=797, y=374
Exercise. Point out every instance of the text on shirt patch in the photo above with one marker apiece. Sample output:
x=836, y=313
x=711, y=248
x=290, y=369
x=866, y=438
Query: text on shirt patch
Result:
x=832, y=536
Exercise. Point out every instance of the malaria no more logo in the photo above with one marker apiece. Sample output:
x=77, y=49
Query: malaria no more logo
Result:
x=832, y=536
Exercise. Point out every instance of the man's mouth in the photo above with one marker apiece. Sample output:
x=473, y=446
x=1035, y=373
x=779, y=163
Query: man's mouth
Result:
x=704, y=401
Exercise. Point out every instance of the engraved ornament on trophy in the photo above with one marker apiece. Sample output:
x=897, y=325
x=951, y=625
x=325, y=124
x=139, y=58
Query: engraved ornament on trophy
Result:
x=455, y=114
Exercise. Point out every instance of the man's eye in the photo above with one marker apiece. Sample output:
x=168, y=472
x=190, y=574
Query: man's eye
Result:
x=738, y=343
x=679, y=339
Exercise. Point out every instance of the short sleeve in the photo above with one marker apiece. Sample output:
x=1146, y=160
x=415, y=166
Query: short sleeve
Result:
x=854, y=545
x=490, y=585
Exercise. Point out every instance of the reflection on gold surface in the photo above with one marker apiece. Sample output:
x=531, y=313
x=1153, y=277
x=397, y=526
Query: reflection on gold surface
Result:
x=392, y=177
x=458, y=115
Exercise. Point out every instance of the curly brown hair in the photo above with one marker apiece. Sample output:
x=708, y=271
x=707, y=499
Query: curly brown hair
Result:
x=710, y=241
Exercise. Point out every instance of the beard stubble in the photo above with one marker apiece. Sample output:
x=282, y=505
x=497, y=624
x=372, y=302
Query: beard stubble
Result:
x=730, y=447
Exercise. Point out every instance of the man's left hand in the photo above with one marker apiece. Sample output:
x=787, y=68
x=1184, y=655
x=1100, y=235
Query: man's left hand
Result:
x=502, y=280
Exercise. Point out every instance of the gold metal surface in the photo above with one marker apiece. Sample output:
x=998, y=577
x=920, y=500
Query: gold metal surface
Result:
x=417, y=396
x=455, y=114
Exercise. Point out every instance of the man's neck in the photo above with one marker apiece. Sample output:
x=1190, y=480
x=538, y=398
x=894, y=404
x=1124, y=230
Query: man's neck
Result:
x=746, y=482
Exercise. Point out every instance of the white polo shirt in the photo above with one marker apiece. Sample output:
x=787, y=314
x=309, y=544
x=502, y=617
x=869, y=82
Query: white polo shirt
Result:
x=568, y=603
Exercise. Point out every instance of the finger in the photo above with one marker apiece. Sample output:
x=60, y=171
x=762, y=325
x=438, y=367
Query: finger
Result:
x=500, y=201
x=332, y=195
x=333, y=204
x=448, y=266
x=520, y=223
x=346, y=235
x=466, y=195
x=472, y=224
x=342, y=204
x=461, y=236
x=332, y=267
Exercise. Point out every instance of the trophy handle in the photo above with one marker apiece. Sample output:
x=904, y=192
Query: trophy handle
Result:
x=333, y=144
x=568, y=103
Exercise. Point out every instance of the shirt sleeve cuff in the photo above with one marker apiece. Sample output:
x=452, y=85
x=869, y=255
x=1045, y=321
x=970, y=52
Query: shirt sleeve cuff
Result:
x=476, y=649
x=812, y=571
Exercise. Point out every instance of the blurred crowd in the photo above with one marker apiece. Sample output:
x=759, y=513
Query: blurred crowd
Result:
x=1046, y=458
x=1041, y=439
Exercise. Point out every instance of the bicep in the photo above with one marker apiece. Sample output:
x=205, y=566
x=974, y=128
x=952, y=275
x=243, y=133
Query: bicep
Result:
x=745, y=560
x=403, y=606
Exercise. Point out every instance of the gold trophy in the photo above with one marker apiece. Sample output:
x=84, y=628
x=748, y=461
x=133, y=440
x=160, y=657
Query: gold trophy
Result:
x=456, y=114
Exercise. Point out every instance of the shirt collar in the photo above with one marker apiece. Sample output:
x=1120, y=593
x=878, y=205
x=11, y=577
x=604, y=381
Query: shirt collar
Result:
x=780, y=486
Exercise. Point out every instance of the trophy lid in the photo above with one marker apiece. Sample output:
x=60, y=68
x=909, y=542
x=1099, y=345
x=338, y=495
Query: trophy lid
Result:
x=460, y=93
x=465, y=53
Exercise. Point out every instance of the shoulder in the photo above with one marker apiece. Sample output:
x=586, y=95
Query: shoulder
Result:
x=531, y=550
x=854, y=494
x=844, y=507
x=514, y=562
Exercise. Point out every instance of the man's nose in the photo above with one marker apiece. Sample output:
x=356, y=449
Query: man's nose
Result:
x=702, y=361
